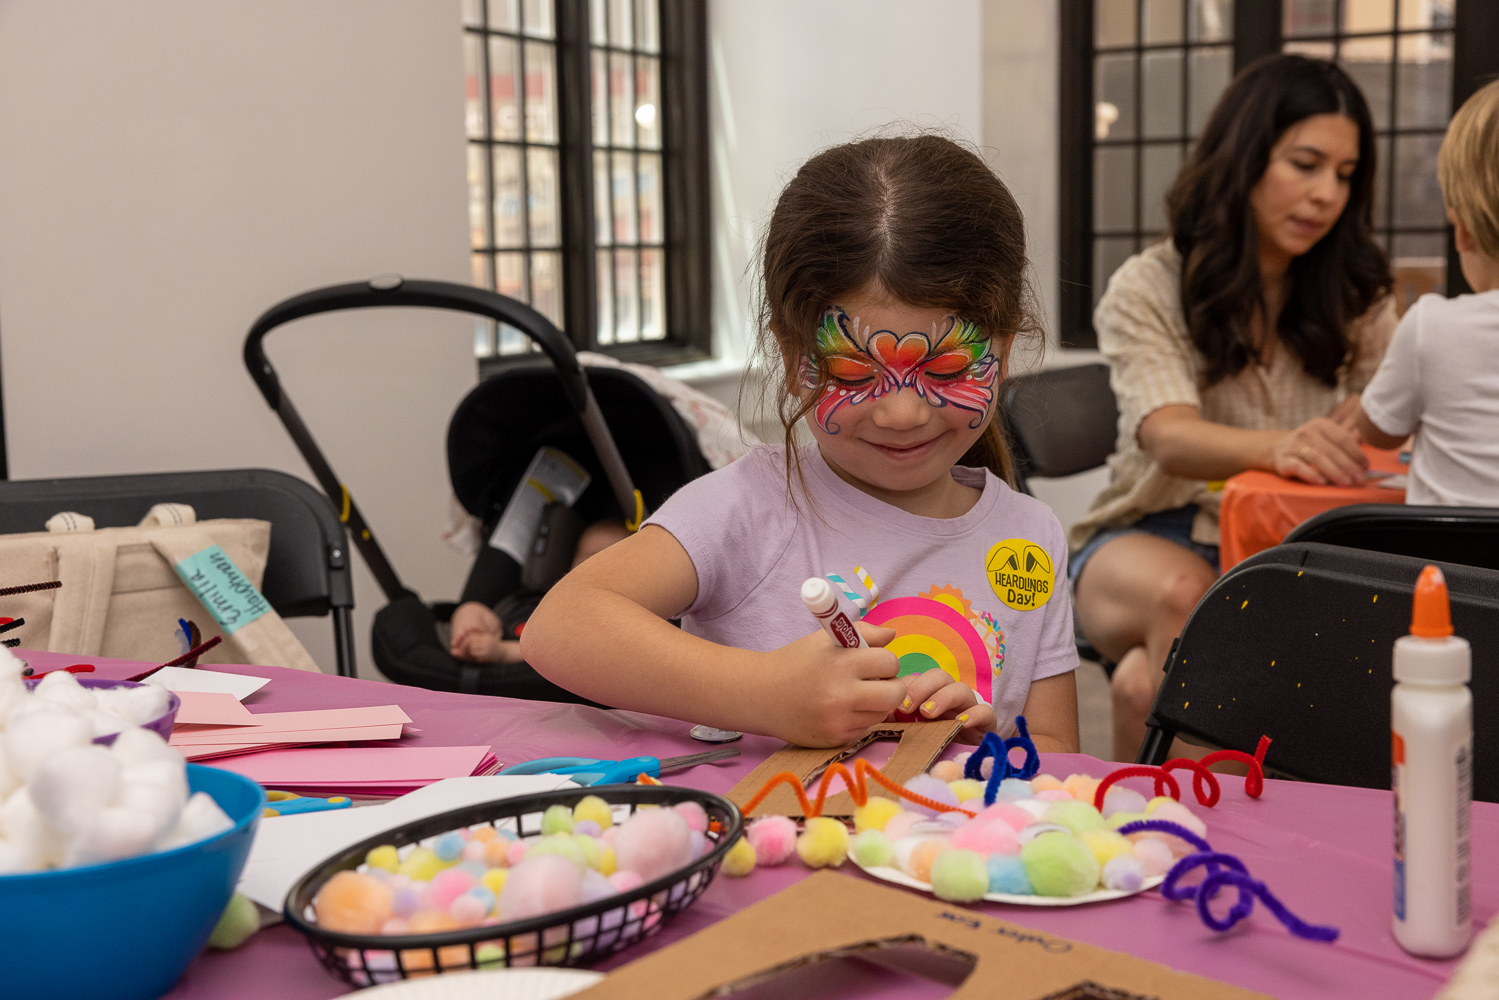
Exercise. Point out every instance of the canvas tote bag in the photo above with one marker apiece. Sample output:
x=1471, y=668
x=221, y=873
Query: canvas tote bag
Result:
x=123, y=589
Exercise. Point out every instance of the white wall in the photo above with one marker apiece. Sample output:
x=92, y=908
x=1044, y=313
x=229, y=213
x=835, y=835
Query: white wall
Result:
x=170, y=169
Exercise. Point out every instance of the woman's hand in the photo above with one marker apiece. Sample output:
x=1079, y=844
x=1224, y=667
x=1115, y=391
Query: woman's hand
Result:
x=1320, y=451
x=819, y=694
x=941, y=697
x=1346, y=413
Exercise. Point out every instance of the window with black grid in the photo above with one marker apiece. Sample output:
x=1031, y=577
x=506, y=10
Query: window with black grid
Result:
x=1399, y=52
x=1159, y=67
x=511, y=115
x=628, y=188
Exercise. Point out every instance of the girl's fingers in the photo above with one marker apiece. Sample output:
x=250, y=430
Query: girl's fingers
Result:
x=877, y=664
x=875, y=635
x=921, y=687
x=947, y=702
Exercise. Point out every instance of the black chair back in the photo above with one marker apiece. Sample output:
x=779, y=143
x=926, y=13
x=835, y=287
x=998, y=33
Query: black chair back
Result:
x=1295, y=643
x=1061, y=421
x=1467, y=535
x=307, y=569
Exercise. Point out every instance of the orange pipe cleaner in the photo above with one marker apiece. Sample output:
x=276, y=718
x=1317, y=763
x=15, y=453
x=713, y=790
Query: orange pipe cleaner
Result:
x=1204, y=782
x=857, y=789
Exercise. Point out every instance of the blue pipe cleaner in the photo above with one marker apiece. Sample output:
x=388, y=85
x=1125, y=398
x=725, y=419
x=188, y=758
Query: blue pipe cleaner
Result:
x=993, y=746
x=1222, y=870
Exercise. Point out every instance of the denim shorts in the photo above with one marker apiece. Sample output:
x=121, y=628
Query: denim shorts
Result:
x=1172, y=525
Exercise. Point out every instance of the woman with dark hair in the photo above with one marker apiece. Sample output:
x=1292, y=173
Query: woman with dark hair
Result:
x=1241, y=342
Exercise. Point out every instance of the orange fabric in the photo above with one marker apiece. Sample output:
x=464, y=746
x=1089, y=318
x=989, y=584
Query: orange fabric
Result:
x=1260, y=508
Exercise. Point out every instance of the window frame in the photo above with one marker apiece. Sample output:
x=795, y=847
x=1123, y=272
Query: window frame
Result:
x=1257, y=27
x=683, y=26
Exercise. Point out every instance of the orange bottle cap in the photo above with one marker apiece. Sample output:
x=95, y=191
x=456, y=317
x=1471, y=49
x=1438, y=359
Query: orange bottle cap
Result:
x=1431, y=618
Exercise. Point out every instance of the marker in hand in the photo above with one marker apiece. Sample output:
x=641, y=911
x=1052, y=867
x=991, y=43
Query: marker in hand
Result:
x=820, y=598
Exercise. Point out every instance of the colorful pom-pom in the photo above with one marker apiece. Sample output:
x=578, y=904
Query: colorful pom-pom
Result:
x=352, y=903
x=421, y=864
x=557, y=819
x=586, y=828
x=992, y=837
x=695, y=815
x=591, y=807
x=1012, y=789
x=494, y=880
x=773, y=838
x=924, y=855
x=966, y=788
x=1081, y=786
x=1124, y=873
x=1060, y=865
x=542, y=883
x=565, y=845
x=1007, y=875
x=929, y=787
x=1120, y=799
x=1075, y=816
x=1154, y=855
x=1106, y=845
x=448, y=885
x=875, y=813
x=740, y=859
x=1045, y=783
x=384, y=858
x=872, y=849
x=449, y=847
x=960, y=876
x=900, y=825
x=947, y=770
x=824, y=844
x=654, y=843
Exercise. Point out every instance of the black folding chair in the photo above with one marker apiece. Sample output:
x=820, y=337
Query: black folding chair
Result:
x=306, y=570
x=1467, y=535
x=1295, y=643
x=1060, y=422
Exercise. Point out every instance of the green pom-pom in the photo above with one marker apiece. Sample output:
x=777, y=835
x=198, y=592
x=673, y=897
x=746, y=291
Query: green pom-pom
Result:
x=961, y=876
x=239, y=921
x=557, y=819
x=1058, y=864
x=1075, y=816
x=564, y=845
x=872, y=849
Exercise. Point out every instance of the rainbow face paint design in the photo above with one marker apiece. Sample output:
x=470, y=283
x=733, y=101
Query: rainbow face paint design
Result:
x=956, y=367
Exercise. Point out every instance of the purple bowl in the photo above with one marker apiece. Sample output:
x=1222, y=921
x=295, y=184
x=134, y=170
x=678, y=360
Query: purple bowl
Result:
x=161, y=726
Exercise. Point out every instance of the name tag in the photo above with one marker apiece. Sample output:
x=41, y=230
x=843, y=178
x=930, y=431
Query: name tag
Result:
x=220, y=587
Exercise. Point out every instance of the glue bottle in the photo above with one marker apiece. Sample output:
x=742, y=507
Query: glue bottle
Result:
x=823, y=602
x=1431, y=717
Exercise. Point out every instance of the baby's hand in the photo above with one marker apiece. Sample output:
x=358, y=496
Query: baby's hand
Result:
x=476, y=631
x=941, y=697
x=818, y=694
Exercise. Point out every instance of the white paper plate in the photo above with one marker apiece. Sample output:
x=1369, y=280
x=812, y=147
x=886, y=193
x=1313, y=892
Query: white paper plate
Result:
x=493, y=984
x=1102, y=895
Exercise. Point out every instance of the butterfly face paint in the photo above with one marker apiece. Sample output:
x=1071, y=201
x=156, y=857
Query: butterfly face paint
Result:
x=951, y=367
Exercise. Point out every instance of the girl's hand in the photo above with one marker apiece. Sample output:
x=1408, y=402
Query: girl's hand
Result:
x=819, y=694
x=1320, y=451
x=941, y=697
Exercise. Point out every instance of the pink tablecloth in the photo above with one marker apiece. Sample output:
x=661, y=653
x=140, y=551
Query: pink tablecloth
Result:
x=1324, y=850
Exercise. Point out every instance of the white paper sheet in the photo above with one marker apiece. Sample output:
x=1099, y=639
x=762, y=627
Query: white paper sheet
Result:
x=190, y=679
x=286, y=847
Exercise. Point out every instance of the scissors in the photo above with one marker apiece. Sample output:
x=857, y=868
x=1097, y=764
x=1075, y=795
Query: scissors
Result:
x=589, y=771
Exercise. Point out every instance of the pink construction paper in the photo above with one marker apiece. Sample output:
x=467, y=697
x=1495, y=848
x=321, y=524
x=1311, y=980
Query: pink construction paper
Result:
x=326, y=718
x=213, y=708
x=352, y=767
x=250, y=735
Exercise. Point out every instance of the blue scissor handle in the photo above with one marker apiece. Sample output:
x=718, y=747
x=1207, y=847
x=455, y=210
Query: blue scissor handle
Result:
x=550, y=765
x=589, y=771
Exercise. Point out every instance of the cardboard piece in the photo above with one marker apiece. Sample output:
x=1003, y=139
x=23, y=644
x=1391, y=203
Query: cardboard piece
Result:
x=829, y=915
x=921, y=743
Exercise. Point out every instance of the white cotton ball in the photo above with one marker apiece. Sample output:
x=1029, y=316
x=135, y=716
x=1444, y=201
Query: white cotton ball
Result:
x=142, y=746
x=33, y=736
x=22, y=825
x=137, y=705
x=72, y=786
x=105, y=723
x=168, y=774
x=62, y=688
x=162, y=803
x=13, y=859
x=11, y=666
x=117, y=832
x=9, y=779
x=201, y=819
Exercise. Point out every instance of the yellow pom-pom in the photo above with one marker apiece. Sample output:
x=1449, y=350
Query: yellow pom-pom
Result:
x=824, y=844
x=421, y=864
x=1150, y=806
x=594, y=808
x=384, y=858
x=591, y=850
x=1045, y=783
x=967, y=788
x=608, y=864
x=875, y=813
x=740, y=860
x=494, y=880
x=1106, y=845
x=1082, y=787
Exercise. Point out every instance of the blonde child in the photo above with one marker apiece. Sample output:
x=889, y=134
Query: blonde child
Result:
x=1440, y=377
x=894, y=283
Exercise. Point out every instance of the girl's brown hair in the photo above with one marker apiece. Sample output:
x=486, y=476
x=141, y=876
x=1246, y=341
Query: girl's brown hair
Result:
x=922, y=217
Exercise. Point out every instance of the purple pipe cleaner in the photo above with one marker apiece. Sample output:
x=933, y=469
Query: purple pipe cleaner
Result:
x=1222, y=870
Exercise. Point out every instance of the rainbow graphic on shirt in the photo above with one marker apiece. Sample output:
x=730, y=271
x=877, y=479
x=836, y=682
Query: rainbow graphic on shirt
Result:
x=935, y=631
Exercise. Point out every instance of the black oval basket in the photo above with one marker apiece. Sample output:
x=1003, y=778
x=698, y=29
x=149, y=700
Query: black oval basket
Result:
x=578, y=936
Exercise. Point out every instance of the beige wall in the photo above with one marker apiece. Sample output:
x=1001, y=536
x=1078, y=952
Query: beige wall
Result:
x=170, y=169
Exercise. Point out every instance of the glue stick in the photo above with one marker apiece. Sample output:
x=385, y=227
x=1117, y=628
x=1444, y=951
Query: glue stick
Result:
x=1431, y=718
x=820, y=598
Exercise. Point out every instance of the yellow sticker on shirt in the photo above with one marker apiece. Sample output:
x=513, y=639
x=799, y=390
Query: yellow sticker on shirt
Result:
x=1021, y=573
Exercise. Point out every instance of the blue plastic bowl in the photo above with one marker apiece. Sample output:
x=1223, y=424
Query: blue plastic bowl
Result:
x=125, y=929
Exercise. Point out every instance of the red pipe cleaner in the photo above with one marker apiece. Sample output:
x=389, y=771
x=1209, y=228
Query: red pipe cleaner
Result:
x=1204, y=782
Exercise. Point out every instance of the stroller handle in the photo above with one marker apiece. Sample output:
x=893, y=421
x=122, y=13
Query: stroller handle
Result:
x=394, y=290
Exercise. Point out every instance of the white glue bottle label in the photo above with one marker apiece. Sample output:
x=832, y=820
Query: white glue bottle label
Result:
x=1431, y=743
x=822, y=600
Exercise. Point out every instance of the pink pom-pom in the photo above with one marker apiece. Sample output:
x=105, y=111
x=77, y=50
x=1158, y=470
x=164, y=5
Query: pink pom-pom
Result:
x=932, y=788
x=992, y=837
x=1017, y=818
x=448, y=885
x=946, y=770
x=473, y=851
x=986, y=768
x=700, y=844
x=1054, y=795
x=962, y=759
x=395, y=925
x=654, y=843
x=516, y=853
x=607, y=836
x=900, y=824
x=625, y=881
x=694, y=814
x=468, y=909
x=773, y=838
x=1154, y=855
x=543, y=884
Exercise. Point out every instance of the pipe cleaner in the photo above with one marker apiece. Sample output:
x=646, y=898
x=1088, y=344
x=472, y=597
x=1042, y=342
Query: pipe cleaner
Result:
x=1204, y=782
x=1222, y=870
x=858, y=790
x=999, y=749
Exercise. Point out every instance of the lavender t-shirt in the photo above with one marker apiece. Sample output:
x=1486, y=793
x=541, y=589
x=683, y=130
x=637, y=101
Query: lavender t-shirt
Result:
x=982, y=596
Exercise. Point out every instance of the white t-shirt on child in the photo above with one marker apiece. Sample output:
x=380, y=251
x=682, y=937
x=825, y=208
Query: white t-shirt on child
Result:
x=983, y=595
x=1440, y=380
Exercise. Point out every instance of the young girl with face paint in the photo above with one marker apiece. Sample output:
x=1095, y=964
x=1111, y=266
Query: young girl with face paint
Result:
x=894, y=284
